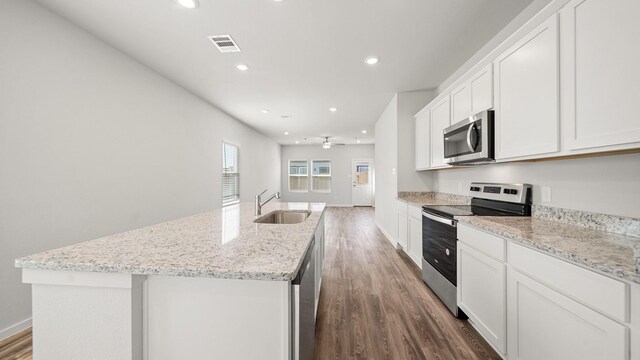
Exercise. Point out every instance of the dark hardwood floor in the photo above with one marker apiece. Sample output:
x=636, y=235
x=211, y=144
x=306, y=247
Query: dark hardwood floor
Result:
x=17, y=347
x=374, y=304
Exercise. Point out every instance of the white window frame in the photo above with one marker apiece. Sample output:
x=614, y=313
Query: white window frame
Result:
x=321, y=175
x=237, y=200
x=289, y=175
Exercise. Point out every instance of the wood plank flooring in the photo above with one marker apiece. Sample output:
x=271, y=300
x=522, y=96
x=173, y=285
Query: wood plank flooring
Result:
x=373, y=303
x=17, y=347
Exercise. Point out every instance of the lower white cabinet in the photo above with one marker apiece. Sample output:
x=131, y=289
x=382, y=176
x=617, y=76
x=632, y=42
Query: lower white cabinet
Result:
x=403, y=229
x=481, y=294
x=544, y=324
x=415, y=240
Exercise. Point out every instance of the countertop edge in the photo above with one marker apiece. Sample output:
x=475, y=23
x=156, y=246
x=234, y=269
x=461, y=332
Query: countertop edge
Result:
x=582, y=262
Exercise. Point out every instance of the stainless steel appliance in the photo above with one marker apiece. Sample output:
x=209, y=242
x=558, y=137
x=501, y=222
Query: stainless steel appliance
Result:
x=470, y=141
x=439, y=235
x=303, y=315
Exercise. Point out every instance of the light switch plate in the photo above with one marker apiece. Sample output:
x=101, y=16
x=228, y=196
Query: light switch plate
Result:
x=546, y=193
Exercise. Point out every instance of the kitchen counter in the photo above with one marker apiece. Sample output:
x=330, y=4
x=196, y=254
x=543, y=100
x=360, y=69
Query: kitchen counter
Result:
x=433, y=198
x=609, y=253
x=224, y=243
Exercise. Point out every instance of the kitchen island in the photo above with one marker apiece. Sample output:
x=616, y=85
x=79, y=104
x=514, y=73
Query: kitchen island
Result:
x=212, y=285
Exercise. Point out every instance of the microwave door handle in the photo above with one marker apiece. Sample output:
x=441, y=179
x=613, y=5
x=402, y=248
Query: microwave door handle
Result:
x=439, y=219
x=470, y=141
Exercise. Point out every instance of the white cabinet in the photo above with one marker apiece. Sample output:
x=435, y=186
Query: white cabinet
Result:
x=474, y=96
x=460, y=103
x=320, y=255
x=415, y=240
x=422, y=142
x=403, y=224
x=440, y=120
x=481, y=277
x=600, y=74
x=544, y=324
x=527, y=95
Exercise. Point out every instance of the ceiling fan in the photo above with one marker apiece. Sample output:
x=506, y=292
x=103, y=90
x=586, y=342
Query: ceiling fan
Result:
x=326, y=144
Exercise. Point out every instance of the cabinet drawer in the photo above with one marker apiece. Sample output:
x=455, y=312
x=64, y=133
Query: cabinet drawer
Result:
x=486, y=243
x=402, y=206
x=597, y=291
x=415, y=211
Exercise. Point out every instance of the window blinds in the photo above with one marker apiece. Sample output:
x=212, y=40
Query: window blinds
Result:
x=230, y=175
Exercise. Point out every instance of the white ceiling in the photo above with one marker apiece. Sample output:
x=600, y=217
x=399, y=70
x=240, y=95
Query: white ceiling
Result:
x=305, y=56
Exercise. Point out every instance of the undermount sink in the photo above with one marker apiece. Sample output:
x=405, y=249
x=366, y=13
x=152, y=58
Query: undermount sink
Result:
x=283, y=217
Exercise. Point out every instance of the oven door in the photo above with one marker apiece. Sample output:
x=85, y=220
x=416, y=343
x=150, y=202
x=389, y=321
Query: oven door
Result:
x=439, y=244
x=470, y=141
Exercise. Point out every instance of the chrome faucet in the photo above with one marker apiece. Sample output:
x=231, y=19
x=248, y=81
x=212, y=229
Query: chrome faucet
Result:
x=260, y=203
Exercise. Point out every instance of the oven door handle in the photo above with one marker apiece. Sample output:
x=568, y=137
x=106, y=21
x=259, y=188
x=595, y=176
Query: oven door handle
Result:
x=440, y=219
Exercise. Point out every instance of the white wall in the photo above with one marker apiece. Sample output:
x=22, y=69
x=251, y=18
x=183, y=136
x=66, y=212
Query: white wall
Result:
x=386, y=170
x=93, y=143
x=341, y=173
x=607, y=184
x=409, y=103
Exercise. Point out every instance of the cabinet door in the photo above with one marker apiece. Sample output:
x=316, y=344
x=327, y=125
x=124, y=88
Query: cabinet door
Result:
x=415, y=240
x=544, y=324
x=440, y=119
x=481, y=86
x=403, y=230
x=481, y=294
x=600, y=73
x=527, y=102
x=422, y=142
x=461, y=103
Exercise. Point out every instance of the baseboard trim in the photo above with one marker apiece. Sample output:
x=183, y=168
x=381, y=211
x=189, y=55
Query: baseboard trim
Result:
x=339, y=205
x=15, y=328
x=393, y=242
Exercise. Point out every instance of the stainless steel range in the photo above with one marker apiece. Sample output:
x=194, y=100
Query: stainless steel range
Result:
x=439, y=236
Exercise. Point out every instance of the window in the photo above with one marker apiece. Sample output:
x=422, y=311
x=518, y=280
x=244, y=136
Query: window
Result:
x=298, y=175
x=230, y=175
x=321, y=176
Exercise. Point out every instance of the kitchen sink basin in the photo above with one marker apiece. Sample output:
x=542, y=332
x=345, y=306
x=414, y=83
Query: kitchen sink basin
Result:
x=283, y=217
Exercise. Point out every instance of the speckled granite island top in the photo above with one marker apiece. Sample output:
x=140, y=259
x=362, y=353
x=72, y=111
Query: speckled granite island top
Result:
x=224, y=243
x=609, y=253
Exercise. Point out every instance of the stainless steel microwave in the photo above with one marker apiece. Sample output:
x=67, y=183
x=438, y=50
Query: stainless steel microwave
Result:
x=470, y=141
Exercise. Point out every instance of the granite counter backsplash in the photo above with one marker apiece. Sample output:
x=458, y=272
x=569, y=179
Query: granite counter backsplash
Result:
x=611, y=223
x=609, y=253
x=433, y=198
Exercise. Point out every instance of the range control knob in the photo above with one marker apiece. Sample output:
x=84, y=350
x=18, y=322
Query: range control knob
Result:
x=447, y=251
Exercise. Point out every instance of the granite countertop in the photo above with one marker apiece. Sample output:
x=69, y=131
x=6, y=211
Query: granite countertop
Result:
x=608, y=253
x=224, y=243
x=433, y=198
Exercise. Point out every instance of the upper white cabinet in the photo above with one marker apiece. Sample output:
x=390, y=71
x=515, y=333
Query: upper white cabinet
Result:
x=600, y=73
x=474, y=96
x=527, y=94
x=422, y=142
x=440, y=120
x=460, y=103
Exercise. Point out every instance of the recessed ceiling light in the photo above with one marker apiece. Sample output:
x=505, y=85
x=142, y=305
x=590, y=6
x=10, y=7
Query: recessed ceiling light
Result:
x=358, y=141
x=265, y=111
x=364, y=131
x=297, y=142
x=332, y=109
x=371, y=60
x=189, y=4
x=286, y=133
x=242, y=67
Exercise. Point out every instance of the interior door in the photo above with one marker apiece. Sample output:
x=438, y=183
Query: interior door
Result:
x=362, y=190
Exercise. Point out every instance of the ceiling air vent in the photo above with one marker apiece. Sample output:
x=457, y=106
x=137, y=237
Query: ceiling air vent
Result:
x=224, y=43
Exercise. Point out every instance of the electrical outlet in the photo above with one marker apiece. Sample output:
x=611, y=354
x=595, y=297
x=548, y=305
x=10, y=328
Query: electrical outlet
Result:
x=393, y=171
x=546, y=193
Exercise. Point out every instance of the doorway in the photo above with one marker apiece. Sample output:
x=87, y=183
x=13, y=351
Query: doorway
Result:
x=362, y=187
